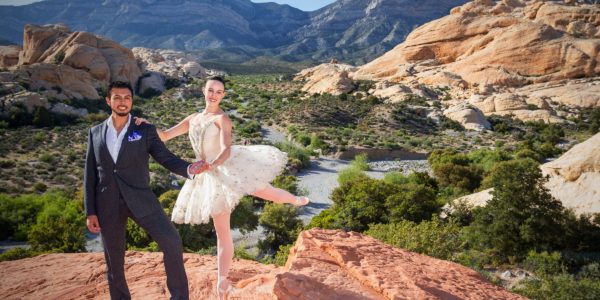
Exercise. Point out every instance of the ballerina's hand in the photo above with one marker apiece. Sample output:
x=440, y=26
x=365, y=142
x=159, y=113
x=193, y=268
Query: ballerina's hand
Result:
x=198, y=167
x=138, y=121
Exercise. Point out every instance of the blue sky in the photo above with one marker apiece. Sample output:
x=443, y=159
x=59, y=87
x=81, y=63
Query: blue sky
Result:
x=306, y=5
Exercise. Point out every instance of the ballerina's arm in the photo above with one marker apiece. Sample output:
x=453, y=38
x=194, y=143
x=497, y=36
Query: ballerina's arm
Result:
x=177, y=130
x=224, y=123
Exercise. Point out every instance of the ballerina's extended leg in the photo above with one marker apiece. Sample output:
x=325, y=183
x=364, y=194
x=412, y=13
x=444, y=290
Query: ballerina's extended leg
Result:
x=280, y=196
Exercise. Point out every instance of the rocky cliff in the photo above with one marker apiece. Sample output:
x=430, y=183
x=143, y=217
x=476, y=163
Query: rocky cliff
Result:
x=69, y=64
x=240, y=29
x=534, y=60
x=323, y=264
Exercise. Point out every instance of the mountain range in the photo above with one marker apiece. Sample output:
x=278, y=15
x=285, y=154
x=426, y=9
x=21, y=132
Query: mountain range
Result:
x=354, y=31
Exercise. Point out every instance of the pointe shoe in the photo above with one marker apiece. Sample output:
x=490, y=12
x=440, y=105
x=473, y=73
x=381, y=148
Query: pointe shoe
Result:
x=224, y=287
x=301, y=201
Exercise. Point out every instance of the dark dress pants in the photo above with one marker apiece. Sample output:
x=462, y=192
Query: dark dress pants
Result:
x=161, y=230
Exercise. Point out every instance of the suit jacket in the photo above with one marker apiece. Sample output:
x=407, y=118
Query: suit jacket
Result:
x=105, y=181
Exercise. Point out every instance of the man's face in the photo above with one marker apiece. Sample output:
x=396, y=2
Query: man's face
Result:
x=214, y=91
x=120, y=101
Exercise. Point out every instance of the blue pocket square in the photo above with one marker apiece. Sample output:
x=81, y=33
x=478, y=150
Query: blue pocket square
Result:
x=134, y=136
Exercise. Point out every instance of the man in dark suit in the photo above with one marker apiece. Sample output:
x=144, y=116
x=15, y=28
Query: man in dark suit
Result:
x=117, y=188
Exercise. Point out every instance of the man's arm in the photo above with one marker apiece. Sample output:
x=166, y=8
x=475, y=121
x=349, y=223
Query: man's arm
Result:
x=90, y=178
x=163, y=156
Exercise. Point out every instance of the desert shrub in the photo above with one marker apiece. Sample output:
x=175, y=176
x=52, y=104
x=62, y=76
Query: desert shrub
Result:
x=17, y=253
x=18, y=214
x=281, y=226
x=522, y=215
x=412, y=202
x=453, y=169
x=433, y=238
x=360, y=202
x=59, y=226
x=563, y=286
x=544, y=263
x=360, y=162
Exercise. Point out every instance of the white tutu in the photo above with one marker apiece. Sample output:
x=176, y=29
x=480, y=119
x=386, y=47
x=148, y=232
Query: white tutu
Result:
x=248, y=169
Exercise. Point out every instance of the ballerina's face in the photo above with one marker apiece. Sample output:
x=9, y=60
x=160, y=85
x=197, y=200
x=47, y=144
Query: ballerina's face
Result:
x=214, y=91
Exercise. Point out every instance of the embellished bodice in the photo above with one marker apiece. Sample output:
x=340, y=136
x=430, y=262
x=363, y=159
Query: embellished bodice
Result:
x=204, y=137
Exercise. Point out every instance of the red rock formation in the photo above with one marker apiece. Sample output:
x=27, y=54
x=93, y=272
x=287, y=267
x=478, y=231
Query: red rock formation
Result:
x=324, y=264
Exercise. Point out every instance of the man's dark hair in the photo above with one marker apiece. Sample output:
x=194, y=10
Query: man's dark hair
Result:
x=216, y=78
x=119, y=84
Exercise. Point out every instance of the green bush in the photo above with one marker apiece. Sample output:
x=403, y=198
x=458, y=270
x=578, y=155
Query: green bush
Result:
x=286, y=182
x=17, y=253
x=18, y=214
x=486, y=159
x=560, y=287
x=317, y=143
x=59, y=226
x=544, y=263
x=42, y=117
x=432, y=238
x=303, y=139
x=240, y=252
x=282, y=254
x=248, y=129
x=243, y=216
x=281, y=226
x=136, y=237
x=528, y=153
x=360, y=162
x=348, y=174
x=453, y=169
x=413, y=202
x=361, y=202
x=325, y=220
x=521, y=216
x=296, y=153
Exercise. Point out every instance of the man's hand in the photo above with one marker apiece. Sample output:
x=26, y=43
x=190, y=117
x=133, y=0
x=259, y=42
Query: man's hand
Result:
x=138, y=121
x=92, y=224
x=198, y=167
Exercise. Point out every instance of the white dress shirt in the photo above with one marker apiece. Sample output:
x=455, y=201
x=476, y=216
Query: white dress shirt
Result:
x=114, y=140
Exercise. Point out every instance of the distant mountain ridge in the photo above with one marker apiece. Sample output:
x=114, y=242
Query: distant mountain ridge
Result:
x=239, y=30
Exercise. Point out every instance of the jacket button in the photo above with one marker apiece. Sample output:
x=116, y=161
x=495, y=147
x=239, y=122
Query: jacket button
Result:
x=115, y=171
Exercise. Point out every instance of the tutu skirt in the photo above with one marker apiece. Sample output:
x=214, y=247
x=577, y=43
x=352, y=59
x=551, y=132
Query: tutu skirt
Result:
x=247, y=170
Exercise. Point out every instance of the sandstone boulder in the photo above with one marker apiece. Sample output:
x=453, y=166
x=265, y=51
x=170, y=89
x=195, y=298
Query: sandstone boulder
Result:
x=28, y=100
x=73, y=83
x=327, y=78
x=468, y=116
x=574, y=176
x=171, y=63
x=9, y=56
x=516, y=106
x=61, y=108
x=77, y=63
x=151, y=81
x=578, y=93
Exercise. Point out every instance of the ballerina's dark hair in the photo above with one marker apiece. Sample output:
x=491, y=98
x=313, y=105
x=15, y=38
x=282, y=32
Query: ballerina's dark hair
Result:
x=216, y=78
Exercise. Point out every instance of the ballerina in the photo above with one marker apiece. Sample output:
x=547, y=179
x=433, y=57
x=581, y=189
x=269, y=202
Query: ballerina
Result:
x=230, y=173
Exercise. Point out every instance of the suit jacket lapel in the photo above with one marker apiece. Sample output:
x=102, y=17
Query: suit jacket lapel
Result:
x=103, y=146
x=125, y=141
